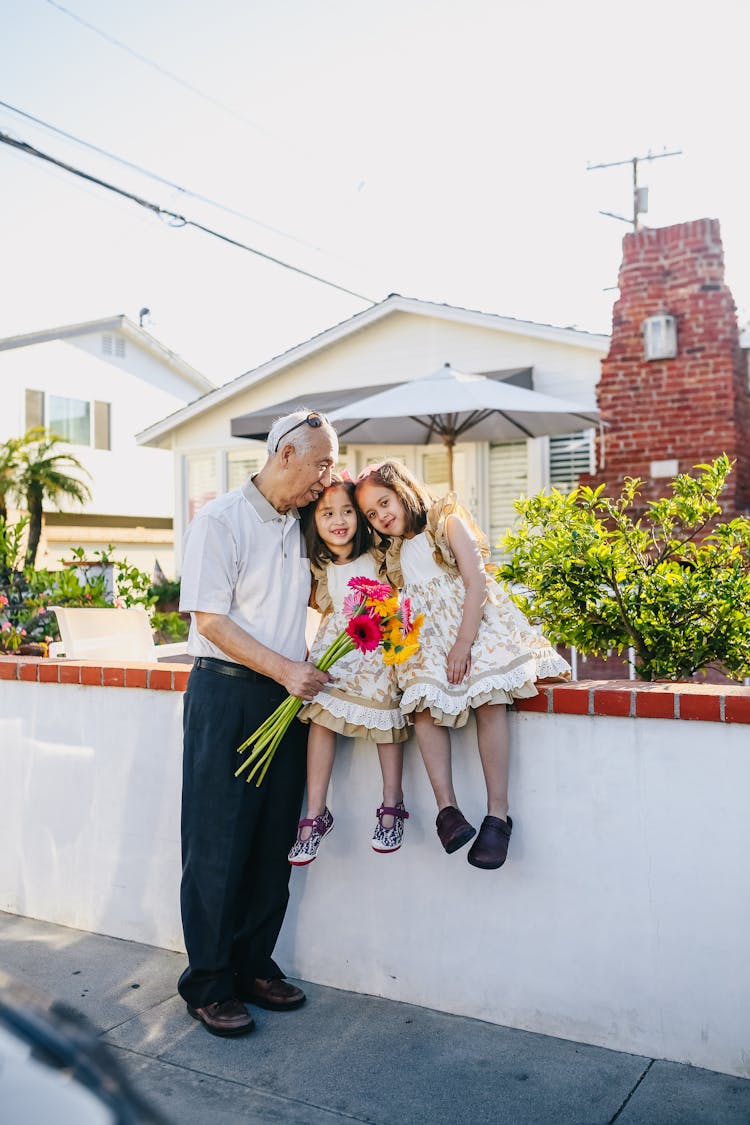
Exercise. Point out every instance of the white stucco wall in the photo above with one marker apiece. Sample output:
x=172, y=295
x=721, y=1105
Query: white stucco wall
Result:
x=620, y=919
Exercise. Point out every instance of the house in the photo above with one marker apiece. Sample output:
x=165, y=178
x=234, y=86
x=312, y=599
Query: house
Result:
x=398, y=339
x=96, y=384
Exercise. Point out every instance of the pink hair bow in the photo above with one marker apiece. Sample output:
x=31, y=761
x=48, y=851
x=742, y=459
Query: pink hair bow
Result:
x=367, y=470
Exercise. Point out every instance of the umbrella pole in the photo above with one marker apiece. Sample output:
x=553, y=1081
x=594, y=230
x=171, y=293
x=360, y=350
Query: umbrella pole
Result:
x=449, y=447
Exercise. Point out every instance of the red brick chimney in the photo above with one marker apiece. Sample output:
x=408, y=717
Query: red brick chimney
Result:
x=667, y=415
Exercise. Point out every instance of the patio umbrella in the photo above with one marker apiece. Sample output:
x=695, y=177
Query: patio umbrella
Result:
x=450, y=406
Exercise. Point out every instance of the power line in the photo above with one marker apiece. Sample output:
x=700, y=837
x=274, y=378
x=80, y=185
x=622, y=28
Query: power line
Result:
x=173, y=216
x=163, y=70
x=159, y=179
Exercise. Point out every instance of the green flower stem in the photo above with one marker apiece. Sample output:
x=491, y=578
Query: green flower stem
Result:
x=266, y=739
x=264, y=759
x=268, y=725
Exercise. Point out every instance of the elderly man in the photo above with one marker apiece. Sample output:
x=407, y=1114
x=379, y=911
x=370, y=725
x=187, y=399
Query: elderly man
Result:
x=246, y=583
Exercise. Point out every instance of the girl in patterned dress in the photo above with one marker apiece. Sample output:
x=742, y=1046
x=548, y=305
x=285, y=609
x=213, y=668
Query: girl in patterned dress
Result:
x=477, y=650
x=362, y=701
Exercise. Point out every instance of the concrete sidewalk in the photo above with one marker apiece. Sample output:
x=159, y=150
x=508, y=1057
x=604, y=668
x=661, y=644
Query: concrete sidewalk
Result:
x=344, y=1056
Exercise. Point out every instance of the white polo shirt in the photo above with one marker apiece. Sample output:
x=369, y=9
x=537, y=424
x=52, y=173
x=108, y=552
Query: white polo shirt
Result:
x=244, y=559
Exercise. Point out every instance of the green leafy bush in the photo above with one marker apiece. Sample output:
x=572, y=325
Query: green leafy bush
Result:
x=26, y=593
x=170, y=627
x=672, y=582
x=166, y=594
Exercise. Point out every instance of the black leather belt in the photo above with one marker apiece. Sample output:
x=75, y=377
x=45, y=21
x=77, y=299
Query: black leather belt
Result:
x=229, y=668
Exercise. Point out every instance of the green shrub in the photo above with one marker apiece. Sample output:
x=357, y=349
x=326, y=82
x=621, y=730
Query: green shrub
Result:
x=26, y=593
x=672, y=582
x=166, y=594
x=169, y=627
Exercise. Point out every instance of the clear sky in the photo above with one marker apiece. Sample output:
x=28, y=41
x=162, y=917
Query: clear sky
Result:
x=435, y=148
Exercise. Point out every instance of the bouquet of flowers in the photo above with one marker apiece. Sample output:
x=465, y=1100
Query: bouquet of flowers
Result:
x=377, y=619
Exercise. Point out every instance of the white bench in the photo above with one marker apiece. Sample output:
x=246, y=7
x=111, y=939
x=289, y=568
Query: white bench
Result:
x=109, y=634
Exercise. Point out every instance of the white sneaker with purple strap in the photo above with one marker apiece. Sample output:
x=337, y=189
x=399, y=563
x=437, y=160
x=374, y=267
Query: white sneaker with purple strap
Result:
x=305, y=851
x=389, y=839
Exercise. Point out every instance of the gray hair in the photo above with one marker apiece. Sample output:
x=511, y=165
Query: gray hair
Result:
x=300, y=436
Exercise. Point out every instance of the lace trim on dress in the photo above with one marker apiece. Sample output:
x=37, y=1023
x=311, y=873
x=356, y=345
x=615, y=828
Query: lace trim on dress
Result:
x=513, y=682
x=371, y=717
x=381, y=726
x=550, y=663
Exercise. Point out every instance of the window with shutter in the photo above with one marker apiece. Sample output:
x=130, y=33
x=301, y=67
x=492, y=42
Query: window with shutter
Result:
x=102, y=432
x=34, y=409
x=241, y=465
x=201, y=482
x=434, y=472
x=373, y=454
x=508, y=481
x=569, y=456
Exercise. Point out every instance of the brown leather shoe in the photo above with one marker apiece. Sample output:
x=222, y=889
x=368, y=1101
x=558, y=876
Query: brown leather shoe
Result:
x=453, y=828
x=225, y=1018
x=276, y=995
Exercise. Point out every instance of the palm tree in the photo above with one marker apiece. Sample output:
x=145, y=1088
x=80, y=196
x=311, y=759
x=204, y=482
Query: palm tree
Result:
x=9, y=465
x=43, y=476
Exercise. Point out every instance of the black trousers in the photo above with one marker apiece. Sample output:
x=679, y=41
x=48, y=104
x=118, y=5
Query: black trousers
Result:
x=235, y=837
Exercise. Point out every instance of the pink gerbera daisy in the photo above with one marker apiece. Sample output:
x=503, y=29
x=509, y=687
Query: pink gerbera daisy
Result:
x=406, y=614
x=364, y=632
x=371, y=588
x=352, y=602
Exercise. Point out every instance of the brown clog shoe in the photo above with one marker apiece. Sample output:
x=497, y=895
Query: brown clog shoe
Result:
x=490, y=848
x=453, y=829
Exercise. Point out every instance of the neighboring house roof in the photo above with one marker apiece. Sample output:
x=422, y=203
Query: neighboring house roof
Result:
x=395, y=303
x=129, y=329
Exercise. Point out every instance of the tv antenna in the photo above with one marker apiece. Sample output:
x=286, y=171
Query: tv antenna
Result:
x=640, y=194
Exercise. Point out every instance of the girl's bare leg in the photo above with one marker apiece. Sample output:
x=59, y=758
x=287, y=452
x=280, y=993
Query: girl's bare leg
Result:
x=435, y=747
x=321, y=751
x=494, y=752
x=391, y=756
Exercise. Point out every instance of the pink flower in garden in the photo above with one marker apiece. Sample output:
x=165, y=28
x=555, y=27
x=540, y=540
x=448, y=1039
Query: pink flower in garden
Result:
x=119, y=603
x=6, y=625
x=364, y=632
x=371, y=588
x=22, y=632
x=88, y=596
x=3, y=599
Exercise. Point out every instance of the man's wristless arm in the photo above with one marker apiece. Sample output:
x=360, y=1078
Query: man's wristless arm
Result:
x=241, y=646
x=299, y=677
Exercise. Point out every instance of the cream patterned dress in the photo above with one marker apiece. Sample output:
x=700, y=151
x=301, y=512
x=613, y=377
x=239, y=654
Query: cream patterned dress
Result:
x=363, y=701
x=507, y=655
